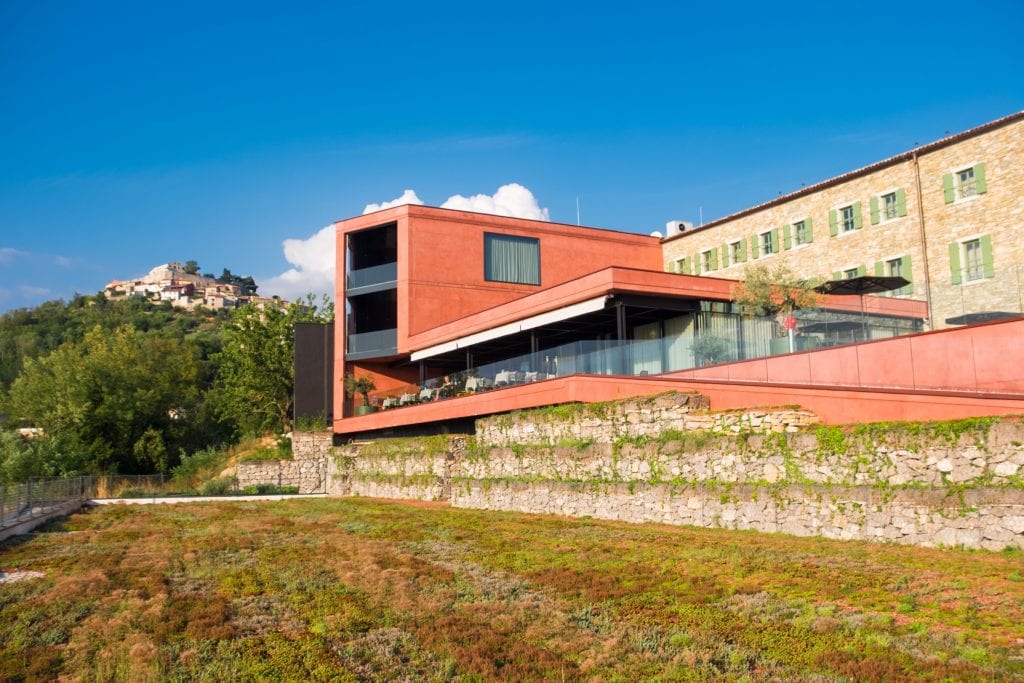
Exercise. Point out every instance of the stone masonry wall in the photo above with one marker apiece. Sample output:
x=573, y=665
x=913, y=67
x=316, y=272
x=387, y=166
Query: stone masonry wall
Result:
x=989, y=519
x=958, y=483
x=996, y=213
x=307, y=469
x=639, y=417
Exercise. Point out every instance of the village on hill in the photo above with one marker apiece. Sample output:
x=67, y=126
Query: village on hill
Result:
x=184, y=287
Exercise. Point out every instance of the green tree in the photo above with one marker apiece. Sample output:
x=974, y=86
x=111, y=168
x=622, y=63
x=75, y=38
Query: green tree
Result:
x=257, y=365
x=111, y=395
x=773, y=291
x=191, y=267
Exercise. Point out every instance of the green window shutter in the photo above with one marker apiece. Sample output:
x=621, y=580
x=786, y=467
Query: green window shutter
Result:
x=833, y=223
x=874, y=211
x=980, y=186
x=714, y=258
x=696, y=264
x=880, y=268
x=862, y=270
x=954, y=263
x=725, y=255
x=908, y=274
x=775, y=240
x=858, y=222
x=837, y=275
x=743, y=251
x=901, y=203
x=986, y=255
x=947, y=188
x=807, y=222
x=755, y=249
x=787, y=238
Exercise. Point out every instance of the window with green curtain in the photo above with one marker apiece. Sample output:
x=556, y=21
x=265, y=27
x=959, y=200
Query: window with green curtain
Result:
x=510, y=258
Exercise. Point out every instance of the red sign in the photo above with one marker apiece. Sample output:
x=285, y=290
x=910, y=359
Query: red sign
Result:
x=789, y=323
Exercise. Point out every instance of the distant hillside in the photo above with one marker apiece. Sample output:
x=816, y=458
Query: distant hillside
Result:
x=34, y=332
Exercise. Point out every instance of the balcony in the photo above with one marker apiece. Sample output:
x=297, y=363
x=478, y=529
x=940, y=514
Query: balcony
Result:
x=372, y=279
x=372, y=344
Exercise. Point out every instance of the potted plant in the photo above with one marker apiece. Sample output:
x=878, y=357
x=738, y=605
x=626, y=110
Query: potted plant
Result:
x=362, y=386
x=775, y=292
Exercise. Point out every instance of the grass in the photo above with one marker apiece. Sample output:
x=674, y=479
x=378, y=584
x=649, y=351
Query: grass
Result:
x=353, y=589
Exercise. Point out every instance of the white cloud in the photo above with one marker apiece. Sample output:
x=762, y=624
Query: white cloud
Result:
x=30, y=291
x=510, y=200
x=408, y=197
x=313, y=258
x=7, y=254
x=313, y=261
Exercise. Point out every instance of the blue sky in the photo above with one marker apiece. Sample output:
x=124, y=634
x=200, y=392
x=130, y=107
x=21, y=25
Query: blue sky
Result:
x=132, y=134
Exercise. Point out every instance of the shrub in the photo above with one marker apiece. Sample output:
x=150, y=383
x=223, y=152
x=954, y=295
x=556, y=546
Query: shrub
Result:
x=269, y=490
x=223, y=486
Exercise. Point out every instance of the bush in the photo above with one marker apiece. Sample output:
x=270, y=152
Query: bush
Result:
x=200, y=465
x=224, y=486
x=269, y=490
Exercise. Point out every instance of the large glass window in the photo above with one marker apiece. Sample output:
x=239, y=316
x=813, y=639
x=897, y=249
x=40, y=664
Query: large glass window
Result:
x=510, y=258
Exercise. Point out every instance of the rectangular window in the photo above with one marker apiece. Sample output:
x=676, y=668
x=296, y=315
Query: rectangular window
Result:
x=895, y=267
x=736, y=254
x=510, y=258
x=973, y=262
x=965, y=186
x=683, y=266
x=890, y=207
x=846, y=219
x=767, y=244
x=800, y=232
x=851, y=273
x=705, y=261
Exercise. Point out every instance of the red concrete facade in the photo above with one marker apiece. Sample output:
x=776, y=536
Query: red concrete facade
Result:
x=441, y=271
x=442, y=296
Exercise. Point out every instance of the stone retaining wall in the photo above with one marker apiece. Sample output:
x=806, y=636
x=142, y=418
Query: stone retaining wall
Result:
x=989, y=519
x=954, y=483
x=637, y=417
x=309, y=475
x=307, y=469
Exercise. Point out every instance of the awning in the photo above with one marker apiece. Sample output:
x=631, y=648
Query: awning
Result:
x=582, y=308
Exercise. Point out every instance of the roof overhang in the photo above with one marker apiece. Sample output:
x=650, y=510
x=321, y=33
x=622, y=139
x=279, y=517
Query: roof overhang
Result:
x=532, y=322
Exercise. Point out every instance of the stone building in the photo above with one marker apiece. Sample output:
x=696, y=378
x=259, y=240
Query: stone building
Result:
x=946, y=216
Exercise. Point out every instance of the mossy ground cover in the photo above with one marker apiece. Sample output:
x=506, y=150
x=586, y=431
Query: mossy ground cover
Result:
x=353, y=589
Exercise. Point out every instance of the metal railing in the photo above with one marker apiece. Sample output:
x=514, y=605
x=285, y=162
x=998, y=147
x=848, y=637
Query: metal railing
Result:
x=37, y=497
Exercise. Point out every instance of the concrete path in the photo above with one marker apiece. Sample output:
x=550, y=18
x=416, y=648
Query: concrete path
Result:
x=170, y=500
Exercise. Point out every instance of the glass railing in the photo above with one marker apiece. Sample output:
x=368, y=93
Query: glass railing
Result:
x=383, y=341
x=374, y=275
x=691, y=341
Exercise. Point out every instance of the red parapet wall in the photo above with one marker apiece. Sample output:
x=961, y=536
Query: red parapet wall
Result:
x=985, y=358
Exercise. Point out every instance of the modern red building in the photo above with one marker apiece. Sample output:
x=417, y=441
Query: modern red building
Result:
x=456, y=315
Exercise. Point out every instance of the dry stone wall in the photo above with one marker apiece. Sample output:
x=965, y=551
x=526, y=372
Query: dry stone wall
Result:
x=987, y=518
x=959, y=483
x=307, y=469
x=639, y=417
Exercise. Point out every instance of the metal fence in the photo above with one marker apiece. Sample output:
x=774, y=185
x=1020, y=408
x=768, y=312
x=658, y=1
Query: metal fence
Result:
x=37, y=497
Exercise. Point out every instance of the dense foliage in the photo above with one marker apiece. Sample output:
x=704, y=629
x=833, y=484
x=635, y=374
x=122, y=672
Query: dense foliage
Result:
x=133, y=387
x=257, y=370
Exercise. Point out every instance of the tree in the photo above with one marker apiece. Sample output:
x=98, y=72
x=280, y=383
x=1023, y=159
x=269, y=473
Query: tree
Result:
x=773, y=291
x=122, y=399
x=191, y=267
x=257, y=365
